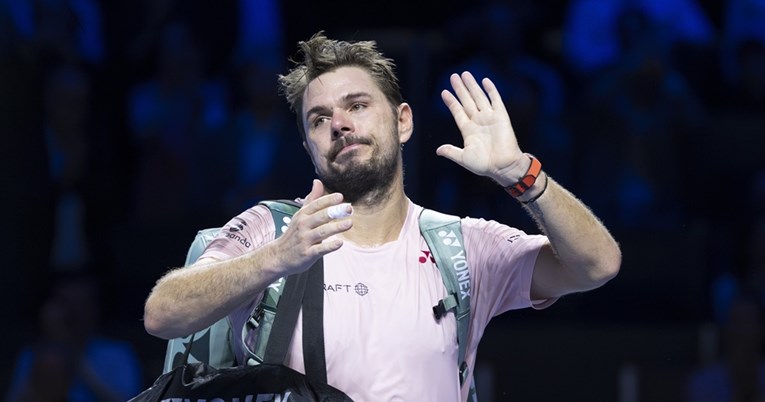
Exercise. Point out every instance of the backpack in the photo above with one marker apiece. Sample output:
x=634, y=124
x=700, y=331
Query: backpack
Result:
x=213, y=345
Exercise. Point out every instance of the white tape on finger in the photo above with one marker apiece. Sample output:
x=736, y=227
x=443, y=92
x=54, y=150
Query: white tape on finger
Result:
x=339, y=211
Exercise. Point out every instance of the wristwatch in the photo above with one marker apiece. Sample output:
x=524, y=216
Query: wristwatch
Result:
x=528, y=180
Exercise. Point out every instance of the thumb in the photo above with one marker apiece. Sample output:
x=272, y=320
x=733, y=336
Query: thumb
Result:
x=450, y=152
x=317, y=190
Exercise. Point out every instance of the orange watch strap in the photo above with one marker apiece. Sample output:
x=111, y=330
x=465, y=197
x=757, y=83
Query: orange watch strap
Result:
x=527, y=180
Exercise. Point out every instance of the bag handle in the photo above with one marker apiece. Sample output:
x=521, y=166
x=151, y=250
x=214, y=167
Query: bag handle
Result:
x=313, y=324
x=286, y=316
x=307, y=290
x=187, y=352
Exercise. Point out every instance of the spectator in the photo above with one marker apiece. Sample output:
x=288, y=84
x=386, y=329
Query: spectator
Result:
x=739, y=374
x=70, y=361
x=69, y=152
x=261, y=30
x=744, y=20
x=591, y=29
x=64, y=30
x=637, y=116
x=746, y=89
x=259, y=127
x=171, y=116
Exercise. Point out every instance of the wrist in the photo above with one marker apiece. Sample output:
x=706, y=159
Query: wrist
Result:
x=535, y=191
x=270, y=261
x=514, y=172
x=525, y=181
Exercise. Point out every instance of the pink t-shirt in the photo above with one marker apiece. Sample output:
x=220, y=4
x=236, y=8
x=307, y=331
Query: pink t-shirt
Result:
x=382, y=341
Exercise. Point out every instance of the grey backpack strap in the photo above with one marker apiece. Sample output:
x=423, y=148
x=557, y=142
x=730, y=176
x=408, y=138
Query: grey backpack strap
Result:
x=263, y=315
x=443, y=233
x=211, y=345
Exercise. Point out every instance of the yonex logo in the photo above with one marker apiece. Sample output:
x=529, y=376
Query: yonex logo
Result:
x=449, y=238
x=426, y=256
x=460, y=266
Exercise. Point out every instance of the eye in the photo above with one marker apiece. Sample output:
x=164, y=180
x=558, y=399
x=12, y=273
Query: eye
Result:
x=319, y=120
x=358, y=106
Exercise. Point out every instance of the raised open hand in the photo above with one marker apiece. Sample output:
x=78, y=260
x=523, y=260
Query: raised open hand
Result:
x=490, y=147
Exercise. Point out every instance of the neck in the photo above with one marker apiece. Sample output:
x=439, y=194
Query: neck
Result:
x=381, y=222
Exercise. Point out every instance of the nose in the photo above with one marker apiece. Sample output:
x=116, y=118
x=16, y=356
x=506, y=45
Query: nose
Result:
x=341, y=124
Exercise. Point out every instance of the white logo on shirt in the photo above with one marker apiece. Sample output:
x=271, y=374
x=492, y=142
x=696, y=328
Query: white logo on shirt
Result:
x=449, y=238
x=460, y=265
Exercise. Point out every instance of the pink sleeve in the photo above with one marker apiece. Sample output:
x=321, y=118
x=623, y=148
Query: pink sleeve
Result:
x=242, y=234
x=501, y=260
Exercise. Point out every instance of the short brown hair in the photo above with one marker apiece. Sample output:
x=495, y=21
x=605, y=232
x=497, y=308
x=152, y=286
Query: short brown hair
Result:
x=322, y=55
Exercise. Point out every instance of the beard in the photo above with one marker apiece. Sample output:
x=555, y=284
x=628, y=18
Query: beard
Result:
x=362, y=182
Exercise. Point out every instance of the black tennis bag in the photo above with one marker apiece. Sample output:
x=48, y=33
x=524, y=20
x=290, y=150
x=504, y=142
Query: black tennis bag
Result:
x=270, y=380
x=265, y=382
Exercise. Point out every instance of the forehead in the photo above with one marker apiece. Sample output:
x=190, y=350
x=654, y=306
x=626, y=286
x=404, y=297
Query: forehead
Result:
x=330, y=88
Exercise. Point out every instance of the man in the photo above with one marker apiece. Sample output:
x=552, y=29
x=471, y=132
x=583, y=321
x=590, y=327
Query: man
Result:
x=384, y=343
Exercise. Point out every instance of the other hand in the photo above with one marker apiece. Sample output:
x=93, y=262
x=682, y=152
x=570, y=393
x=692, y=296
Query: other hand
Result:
x=309, y=235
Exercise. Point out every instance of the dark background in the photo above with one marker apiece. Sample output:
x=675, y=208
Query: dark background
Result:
x=128, y=128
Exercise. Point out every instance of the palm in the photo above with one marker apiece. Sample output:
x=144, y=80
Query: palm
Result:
x=489, y=141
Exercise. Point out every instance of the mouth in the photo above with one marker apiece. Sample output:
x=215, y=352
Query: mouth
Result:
x=347, y=146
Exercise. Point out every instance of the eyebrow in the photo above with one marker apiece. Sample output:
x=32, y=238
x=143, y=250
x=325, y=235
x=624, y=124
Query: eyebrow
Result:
x=348, y=98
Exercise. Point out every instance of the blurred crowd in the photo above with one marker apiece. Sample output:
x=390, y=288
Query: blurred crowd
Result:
x=128, y=126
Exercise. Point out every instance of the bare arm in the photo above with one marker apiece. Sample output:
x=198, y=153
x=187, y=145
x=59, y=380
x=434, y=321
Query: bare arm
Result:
x=582, y=253
x=186, y=300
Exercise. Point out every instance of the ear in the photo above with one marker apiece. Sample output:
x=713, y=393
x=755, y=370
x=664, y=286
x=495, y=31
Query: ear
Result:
x=405, y=122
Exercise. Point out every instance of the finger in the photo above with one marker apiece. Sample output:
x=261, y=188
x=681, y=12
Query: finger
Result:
x=456, y=109
x=476, y=92
x=463, y=95
x=317, y=199
x=494, y=96
x=317, y=190
x=326, y=247
x=340, y=211
x=327, y=230
x=450, y=152
x=320, y=204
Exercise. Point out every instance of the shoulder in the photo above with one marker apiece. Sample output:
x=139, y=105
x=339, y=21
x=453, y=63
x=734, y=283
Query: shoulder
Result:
x=256, y=219
x=483, y=234
x=486, y=226
x=242, y=233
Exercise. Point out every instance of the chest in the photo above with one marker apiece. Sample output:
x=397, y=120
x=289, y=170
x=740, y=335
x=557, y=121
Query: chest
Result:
x=382, y=300
x=382, y=340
